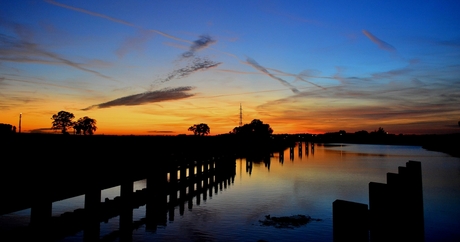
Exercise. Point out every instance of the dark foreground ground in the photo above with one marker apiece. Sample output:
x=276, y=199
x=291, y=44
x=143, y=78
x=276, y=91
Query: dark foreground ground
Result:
x=31, y=161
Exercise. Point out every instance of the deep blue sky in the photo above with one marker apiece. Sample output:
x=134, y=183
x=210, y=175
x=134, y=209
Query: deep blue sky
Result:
x=158, y=67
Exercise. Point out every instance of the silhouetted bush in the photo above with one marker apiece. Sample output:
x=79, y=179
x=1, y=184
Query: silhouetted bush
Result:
x=7, y=129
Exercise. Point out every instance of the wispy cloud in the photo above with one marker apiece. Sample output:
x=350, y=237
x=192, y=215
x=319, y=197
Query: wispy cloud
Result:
x=166, y=94
x=197, y=64
x=43, y=83
x=22, y=49
x=161, y=131
x=203, y=42
x=380, y=43
x=408, y=102
x=116, y=20
x=302, y=76
x=42, y=130
x=134, y=43
x=256, y=65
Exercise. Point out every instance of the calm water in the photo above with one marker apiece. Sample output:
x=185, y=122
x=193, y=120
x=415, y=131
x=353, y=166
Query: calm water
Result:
x=303, y=183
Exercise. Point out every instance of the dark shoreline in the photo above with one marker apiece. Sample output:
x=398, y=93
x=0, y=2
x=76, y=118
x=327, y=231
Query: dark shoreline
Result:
x=446, y=143
x=129, y=145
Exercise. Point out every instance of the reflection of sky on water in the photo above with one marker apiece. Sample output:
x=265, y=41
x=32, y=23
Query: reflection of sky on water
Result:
x=306, y=184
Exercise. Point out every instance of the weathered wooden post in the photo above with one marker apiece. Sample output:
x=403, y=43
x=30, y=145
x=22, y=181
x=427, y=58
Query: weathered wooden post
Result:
x=378, y=211
x=396, y=208
x=126, y=213
x=412, y=214
x=40, y=212
x=350, y=221
x=92, y=201
x=156, y=207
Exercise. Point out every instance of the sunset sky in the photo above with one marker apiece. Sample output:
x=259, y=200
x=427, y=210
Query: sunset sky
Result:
x=158, y=67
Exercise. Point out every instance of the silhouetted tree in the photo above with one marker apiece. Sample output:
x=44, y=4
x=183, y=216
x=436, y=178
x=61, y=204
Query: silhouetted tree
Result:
x=361, y=133
x=380, y=131
x=87, y=125
x=62, y=121
x=77, y=128
x=256, y=128
x=7, y=129
x=200, y=129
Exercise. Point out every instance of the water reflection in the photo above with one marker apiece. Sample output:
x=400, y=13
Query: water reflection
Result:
x=160, y=194
x=317, y=175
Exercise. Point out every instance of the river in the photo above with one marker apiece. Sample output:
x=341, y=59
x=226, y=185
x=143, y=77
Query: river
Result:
x=305, y=181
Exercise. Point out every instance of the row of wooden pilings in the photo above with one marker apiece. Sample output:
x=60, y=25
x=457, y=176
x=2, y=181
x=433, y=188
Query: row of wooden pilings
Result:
x=166, y=188
x=309, y=148
x=395, y=211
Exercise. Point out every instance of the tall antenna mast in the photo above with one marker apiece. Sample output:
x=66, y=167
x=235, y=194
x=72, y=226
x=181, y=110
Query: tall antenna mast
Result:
x=241, y=116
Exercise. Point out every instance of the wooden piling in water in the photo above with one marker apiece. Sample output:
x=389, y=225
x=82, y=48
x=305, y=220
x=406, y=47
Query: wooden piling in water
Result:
x=395, y=209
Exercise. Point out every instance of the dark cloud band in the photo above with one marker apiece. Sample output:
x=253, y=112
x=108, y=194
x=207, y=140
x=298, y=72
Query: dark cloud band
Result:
x=166, y=94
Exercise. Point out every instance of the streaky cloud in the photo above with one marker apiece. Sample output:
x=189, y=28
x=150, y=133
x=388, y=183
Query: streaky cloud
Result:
x=197, y=64
x=161, y=131
x=380, y=43
x=100, y=15
x=262, y=69
x=301, y=76
x=165, y=94
x=203, y=42
x=134, y=43
x=22, y=50
x=89, y=12
x=43, y=83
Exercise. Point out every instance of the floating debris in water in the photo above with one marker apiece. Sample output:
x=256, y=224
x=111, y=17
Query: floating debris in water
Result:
x=287, y=221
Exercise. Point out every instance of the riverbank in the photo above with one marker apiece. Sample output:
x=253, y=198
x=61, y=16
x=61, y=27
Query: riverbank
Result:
x=130, y=146
x=446, y=143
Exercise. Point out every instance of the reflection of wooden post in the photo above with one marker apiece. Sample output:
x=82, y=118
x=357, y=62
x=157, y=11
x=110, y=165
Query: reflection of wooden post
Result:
x=300, y=147
x=171, y=213
x=190, y=203
x=281, y=156
x=199, y=177
x=205, y=193
x=173, y=186
x=181, y=207
x=183, y=182
x=210, y=187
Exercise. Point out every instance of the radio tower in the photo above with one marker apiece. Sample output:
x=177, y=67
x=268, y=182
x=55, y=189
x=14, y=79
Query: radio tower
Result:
x=241, y=116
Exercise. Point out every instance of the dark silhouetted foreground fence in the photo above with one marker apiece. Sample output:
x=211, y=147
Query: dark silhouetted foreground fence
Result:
x=395, y=210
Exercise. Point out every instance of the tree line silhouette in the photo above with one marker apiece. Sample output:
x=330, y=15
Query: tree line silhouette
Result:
x=63, y=120
x=7, y=129
x=256, y=128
